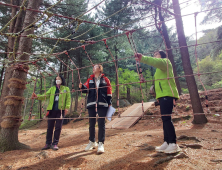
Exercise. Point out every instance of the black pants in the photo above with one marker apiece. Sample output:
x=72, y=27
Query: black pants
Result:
x=166, y=108
x=57, y=123
x=101, y=123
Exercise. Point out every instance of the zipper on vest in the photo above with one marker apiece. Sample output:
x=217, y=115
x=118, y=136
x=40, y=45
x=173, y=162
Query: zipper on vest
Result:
x=160, y=86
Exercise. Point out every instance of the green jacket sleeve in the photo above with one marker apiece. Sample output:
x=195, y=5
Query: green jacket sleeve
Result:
x=44, y=96
x=68, y=99
x=155, y=62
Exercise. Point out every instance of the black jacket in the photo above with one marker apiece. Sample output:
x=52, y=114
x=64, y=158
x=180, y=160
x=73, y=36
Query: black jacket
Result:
x=104, y=92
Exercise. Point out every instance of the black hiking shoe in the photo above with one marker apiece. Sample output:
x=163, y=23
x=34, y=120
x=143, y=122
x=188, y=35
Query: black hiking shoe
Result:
x=46, y=147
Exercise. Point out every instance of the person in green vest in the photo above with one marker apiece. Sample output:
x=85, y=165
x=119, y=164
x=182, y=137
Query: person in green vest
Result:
x=166, y=94
x=59, y=103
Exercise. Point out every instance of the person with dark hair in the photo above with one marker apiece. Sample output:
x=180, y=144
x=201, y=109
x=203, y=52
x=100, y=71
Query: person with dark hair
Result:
x=59, y=103
x=166, y=93
x=99, y=92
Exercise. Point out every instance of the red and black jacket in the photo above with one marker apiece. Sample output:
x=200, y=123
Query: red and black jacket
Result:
x=104, y=92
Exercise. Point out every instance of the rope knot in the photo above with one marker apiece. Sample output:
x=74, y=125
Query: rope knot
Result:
x=104, y=40
x=195, y=14
x=127, y=33
x=84, y=47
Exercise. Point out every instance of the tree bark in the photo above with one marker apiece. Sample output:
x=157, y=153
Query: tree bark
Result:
x=65, y=69
x=67, y=81
x=60, y=68
x=79, y=59
x=11, y=122
x=40, y=102
x=15, y=25
x=128, y=94
x=192, y=87
x=117, y=78
x=2, y=71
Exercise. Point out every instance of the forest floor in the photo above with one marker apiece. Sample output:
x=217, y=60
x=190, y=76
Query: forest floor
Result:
x=126, y=149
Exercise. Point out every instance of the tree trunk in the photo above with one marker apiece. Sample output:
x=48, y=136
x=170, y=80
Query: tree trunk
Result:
x=117, y=78
x=65, y=69
x=128, y=94
x=79, y=59
x=15, y=25
x=77, y=95
x=2, y=71
x=60, y=68
x=169, y=52
x=40, y=102
x=192, y=87
x=11, y=120
x=67, y=81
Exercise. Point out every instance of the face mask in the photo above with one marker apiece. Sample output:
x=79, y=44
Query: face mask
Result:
x=58, y=82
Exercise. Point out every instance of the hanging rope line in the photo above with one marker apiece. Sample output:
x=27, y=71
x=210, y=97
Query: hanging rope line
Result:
x=73, y=90
x=198, y=69
x=84, y=49
x=117, y=97
x=138, y=66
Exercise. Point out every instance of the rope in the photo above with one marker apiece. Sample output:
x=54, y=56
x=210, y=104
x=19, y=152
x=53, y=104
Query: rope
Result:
x=84, y=48
x=30, y=112
x=208, y=114
x=50, y=66
x=21, y=9
x=117, y=102
x=73, y=79
x=206, y=97
x=151, y=80
x=138, y=66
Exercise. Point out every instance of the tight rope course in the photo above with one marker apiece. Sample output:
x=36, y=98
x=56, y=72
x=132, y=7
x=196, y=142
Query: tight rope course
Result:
x=90, y=42
x=133, y=46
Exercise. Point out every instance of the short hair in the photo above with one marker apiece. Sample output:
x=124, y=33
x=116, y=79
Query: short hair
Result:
x=100, y=67
x=62, y=78
x=163, y=54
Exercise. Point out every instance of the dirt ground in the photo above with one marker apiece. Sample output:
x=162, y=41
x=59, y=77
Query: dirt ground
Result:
x=129, y=149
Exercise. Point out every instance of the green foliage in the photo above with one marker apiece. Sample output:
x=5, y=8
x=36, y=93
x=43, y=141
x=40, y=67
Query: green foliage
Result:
x=217, y=85
x=185, y=91
x=209, y=65
x=127, y=76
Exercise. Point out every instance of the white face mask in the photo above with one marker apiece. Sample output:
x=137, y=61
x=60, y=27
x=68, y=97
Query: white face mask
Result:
x=58, y=82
